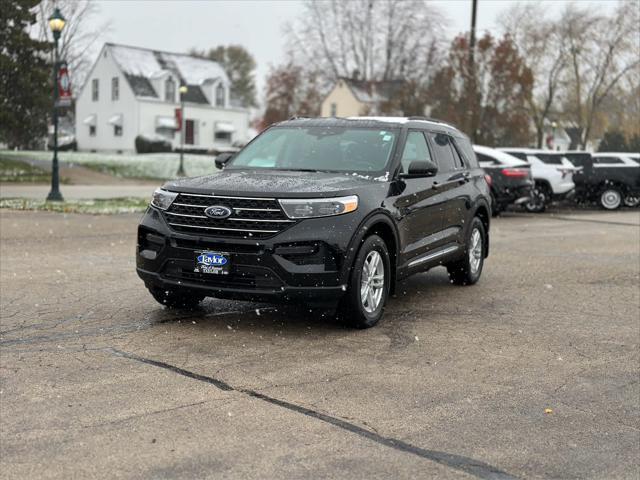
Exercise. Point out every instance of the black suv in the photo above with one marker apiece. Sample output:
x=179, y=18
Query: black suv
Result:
x=327, y=211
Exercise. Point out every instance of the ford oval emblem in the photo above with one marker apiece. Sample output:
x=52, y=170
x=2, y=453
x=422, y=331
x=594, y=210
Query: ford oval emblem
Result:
x=217, y=211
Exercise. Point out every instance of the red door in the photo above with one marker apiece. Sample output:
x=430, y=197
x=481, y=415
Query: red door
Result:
x=188, y=134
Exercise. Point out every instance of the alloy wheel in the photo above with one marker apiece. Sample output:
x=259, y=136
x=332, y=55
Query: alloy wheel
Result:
x=372, y=282
x=611, y=199
x=475, y=251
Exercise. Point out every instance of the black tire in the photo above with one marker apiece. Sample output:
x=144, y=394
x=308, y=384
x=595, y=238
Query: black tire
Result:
x=463, y=272
x=539, y=198
x=353, y=310
x=495, y=207
x=176, y=299
x=611, y=198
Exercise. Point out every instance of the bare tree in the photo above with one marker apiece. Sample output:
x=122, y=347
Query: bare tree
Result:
x=540, y=42
x=78, y=38
x=602, y=50
x=381, y=40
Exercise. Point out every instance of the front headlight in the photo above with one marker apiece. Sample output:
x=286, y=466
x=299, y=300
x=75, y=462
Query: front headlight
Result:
x=163, y=199
x=319, y=207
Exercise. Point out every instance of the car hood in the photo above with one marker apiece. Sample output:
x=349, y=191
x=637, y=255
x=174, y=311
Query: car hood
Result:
x=276, y=183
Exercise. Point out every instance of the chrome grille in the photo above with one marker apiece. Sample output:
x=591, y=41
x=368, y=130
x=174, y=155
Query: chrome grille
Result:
x=250, y=217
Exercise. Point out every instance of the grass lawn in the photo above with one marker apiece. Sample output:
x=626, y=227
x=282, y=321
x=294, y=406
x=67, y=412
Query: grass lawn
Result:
x=15, y=170
x=156, y=166
x=105, y=206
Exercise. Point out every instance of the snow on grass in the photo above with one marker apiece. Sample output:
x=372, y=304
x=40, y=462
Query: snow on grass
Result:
x=161, y=166
x=98, y=206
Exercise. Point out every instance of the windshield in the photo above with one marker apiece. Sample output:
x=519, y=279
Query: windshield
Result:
x=324, y=148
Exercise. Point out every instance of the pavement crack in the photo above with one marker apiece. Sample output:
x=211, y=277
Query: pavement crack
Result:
x=145, y=414
x=457, y=462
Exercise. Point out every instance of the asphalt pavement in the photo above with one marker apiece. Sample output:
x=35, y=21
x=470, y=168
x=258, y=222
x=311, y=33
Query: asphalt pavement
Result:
x=532, y=373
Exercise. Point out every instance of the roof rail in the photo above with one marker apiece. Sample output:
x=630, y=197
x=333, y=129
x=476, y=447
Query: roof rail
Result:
x=426, y=119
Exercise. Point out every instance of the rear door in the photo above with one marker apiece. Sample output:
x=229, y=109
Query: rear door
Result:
x=420, y=204
x=453, y=178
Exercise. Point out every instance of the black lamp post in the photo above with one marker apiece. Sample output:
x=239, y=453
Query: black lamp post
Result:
x=183, y=90
x=56, y=23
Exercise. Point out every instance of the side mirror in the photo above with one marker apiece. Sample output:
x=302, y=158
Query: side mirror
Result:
x=424, y=168
x=222, y=159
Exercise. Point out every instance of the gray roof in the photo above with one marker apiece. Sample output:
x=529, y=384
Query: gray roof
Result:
x=139, y=65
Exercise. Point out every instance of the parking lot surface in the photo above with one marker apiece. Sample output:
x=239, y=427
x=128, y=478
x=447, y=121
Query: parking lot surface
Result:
x=532, y=373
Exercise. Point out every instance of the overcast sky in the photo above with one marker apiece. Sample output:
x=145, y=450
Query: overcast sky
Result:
x=257, y=24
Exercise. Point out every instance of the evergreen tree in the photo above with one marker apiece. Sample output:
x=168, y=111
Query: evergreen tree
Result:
x=25, y=83
x=239, y=65
x=613, y=141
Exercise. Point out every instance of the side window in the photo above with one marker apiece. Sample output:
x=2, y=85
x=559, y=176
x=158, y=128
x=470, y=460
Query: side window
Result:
x=607, y=161
x=415, y=150
x=458, y=162
x=443, y=151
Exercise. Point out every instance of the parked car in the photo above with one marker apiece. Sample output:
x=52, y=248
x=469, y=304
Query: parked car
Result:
x=552, y=174
x=328, y=211
x=511, y=180
x=609, y=179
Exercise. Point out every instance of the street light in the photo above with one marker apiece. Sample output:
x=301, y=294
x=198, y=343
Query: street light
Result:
x=183, y=91
x=56, y=24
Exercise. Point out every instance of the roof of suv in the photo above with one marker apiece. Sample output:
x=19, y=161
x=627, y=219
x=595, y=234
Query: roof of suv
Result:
x=388, y=122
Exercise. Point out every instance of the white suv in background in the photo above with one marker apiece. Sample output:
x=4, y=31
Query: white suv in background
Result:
x=552, y=173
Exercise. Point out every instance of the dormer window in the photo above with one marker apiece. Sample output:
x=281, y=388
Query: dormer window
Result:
x=170, y=90
x=220, y=95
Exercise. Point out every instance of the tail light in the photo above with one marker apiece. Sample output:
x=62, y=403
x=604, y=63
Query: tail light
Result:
x=488, y=178
x=515, y=172
x=565, y=171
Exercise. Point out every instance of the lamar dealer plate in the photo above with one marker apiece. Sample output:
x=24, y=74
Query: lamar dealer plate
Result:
x=216, y=263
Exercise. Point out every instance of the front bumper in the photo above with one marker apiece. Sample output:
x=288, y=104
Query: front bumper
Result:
x=307, y=261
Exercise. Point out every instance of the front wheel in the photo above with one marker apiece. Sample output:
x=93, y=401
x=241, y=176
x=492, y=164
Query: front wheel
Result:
x=369, y=282
x=467, y=270
x=610, y=198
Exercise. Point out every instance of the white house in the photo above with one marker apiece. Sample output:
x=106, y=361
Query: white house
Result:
x=133, y=91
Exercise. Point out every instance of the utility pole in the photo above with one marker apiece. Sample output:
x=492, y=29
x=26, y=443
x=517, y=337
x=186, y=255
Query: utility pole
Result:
x=472, y=73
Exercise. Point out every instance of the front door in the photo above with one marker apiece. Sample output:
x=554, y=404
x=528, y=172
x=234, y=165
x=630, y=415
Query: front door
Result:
x=189, y=131
x=420, y=205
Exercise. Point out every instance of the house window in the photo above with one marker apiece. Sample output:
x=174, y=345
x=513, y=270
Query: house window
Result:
x=220, y=94
x=92, y=130
x=170, y=90
x=222, y=137
x=94, y=89
x=334, y=110
x=117, y=130
x=115, y=88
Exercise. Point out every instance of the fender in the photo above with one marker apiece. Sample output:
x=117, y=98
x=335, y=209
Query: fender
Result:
x=482, y=202
x=377, y=216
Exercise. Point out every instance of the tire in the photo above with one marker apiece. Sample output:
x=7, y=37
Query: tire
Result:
x=632, y=200
x=468, y=270
x=353, y=309
x=539, y=200
x=176, y=299
x=610, y=198
x=496, y=209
